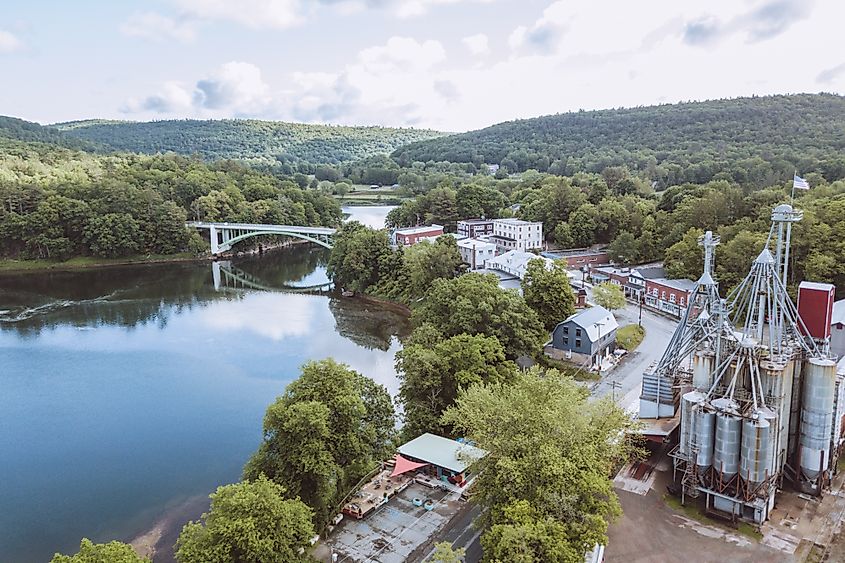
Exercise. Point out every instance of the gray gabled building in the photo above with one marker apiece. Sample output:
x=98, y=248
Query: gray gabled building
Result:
x=584, y=337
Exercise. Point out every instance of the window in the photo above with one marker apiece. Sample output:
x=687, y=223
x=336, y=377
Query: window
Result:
x=672, y=298
x=682, y=302
x=577, y=332
x=565, y=341
x=566, y=330
x=663, y=295
x=577, y=342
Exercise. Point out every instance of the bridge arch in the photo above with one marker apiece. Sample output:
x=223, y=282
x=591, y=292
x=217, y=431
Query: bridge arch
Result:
x=324, y=241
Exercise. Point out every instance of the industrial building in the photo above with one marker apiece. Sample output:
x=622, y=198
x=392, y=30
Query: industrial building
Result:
x=751, y=384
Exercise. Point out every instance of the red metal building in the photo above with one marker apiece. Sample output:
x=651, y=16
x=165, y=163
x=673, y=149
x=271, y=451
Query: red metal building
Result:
x=815, y=307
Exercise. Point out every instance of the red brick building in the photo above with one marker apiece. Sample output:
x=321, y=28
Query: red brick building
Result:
x=412, y=235
x=668, y=296
x=580, y=257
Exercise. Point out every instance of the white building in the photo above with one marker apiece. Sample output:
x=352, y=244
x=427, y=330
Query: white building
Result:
x=516, y=234
x=515, y=262
x=475, y=252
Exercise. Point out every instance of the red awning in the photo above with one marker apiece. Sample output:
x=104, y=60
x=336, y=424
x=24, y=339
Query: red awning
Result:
x=404, y=465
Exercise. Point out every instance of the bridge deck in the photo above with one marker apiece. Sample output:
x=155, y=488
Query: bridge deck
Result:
x=264, y=228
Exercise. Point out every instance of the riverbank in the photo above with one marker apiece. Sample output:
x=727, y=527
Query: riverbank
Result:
x=395, y=306
x=158, y=543
x=12, y=266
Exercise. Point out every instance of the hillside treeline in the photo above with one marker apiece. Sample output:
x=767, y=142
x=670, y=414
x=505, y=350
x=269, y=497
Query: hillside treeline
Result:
x=57, y=203
x=755, y=141
x=258, y=142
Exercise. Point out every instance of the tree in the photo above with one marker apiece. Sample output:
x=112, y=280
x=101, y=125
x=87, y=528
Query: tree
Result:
x=113, y=235
x=428, y=261
x=685, y=258
x=356, y=256
x=609, y=295
x=475, y=304
x=112, y=552
x=250, y=522
x=323, y=434
x=433, y=370
x=445, y=553
x=582, y=225
x=546, y=475
x=548, y=292
x=623, y=250
x=522, y=536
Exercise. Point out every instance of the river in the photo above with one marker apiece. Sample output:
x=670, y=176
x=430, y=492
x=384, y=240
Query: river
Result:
x=126, y=393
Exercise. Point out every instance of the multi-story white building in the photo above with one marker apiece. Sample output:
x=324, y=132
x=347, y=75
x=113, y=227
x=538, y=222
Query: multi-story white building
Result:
x=516, y=234
x=476, y=252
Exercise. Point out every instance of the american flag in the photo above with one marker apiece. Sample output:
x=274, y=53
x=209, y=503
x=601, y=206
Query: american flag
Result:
x=799, y=183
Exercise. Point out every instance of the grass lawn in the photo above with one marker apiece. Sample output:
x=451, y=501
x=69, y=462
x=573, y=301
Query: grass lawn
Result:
x=630, y=336
x=9, y=265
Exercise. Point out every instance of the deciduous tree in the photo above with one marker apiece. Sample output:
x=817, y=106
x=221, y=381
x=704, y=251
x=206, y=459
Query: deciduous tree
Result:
x=609, y=295
x=546, y=475
x=111, y=552
x=250, y=522
x=548, y=292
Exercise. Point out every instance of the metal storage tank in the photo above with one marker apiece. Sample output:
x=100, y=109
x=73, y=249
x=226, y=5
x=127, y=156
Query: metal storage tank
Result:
x=727, y=444
x=754, y=456
x=817, y=415
x=703, y=435
x=688, y=401
x=702, y=373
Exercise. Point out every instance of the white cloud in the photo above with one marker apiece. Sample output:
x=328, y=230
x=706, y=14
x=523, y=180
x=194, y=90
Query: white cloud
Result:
x=150, y=25
x=401, y=54
x=573, y=56
x=9, y=43
x=277, y=14
x=477, y=44
x=233, y=89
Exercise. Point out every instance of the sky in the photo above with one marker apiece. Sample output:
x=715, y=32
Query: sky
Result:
x=451, y=65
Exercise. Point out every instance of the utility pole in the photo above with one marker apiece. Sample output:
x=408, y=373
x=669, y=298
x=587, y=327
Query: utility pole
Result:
x=614, y=385
x=641, y=299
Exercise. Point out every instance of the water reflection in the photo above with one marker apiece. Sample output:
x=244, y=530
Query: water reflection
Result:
x=127, y=389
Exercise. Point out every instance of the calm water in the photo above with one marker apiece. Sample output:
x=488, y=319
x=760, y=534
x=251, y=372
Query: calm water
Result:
x=126, y=391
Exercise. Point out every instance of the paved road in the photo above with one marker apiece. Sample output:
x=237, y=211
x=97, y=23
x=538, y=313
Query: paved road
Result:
x=629, y=372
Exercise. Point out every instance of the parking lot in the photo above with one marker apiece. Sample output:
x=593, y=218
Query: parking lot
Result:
x=393, y=531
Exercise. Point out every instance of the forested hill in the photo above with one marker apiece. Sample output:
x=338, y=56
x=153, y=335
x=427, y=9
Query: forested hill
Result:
x=697, y=138
x=265, y=142
x=14, y=129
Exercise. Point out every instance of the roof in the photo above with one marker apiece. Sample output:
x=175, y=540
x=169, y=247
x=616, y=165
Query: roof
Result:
x=475, y=221
x=612, y=271
x=442, y=452
x=576, y=252
x=817, y=286
x=597, y=321
x=682, y=284
x=650, y=272
x=514, y=221
x=838, y=316
x=417, y=230
x=515, y=262
x=474, y=243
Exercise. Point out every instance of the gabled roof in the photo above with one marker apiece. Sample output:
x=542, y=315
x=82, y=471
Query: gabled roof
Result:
x=682, y=284
x=650, y=272
x=442, y=452
x=597, y=321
